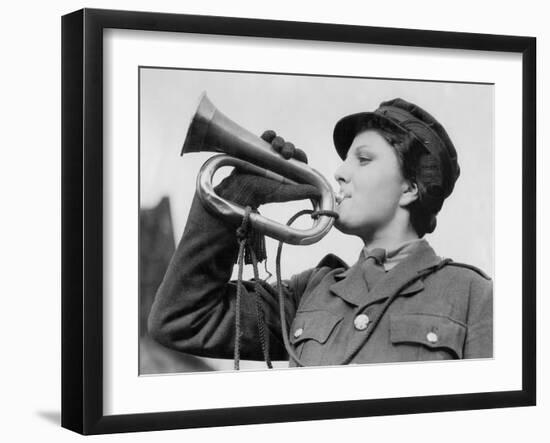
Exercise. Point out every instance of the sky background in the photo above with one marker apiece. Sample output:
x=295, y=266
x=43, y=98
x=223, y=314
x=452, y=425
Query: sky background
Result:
x=304, y=110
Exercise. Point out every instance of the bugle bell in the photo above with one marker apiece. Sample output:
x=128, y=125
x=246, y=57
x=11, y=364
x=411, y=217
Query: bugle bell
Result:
x=210, y=130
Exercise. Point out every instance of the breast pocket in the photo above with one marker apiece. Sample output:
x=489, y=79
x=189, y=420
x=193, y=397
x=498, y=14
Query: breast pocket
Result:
x=431, y=336
x=309, y=333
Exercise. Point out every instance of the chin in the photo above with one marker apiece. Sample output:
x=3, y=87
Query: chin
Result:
x=340, y=223
x=341, y=227
x=363, y=228
x=348, y=228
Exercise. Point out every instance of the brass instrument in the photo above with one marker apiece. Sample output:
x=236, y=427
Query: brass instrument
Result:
x=210, y=130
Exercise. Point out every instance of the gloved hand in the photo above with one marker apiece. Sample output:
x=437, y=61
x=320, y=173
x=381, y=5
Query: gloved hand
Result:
x=247, y=189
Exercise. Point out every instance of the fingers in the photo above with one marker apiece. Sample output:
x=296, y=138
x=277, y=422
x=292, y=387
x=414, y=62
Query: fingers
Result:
x=286, y=149
x=300, y=155
x=277, y=144
x=268, y=135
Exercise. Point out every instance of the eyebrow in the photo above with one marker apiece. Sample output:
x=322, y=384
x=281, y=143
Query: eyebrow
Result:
x=360, y=148
x=356, y=150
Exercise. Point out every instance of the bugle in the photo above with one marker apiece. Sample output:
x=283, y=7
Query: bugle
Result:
x=211, y=130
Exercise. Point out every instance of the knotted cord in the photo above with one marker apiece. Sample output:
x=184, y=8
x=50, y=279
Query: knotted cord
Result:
x=243, y=237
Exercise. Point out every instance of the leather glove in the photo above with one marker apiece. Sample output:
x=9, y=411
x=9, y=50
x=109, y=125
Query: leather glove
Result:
x=247, y=189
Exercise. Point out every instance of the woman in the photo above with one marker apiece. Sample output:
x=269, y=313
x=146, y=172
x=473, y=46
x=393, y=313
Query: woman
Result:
x=399, y=302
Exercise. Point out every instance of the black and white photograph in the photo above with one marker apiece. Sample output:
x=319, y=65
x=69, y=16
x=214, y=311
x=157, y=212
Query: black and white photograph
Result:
x=290, y=220
x=255, y=221
x=286, y=221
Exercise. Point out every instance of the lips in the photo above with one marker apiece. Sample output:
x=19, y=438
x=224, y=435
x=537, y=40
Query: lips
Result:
x=341, y=196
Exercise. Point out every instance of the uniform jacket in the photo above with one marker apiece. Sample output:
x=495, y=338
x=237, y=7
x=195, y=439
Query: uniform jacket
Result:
x=446, y=314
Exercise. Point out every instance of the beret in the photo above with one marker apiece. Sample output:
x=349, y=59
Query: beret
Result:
x=409, y=118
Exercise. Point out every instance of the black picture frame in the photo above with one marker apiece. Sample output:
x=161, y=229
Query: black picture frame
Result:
x=82, y=220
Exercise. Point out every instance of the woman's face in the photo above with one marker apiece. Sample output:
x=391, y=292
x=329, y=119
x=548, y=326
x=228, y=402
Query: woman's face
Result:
x=372, y=186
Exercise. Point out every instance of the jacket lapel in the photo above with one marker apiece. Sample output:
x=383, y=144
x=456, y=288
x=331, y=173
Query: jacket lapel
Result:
x=395, y=282
x=422, y=258
x=351, y=285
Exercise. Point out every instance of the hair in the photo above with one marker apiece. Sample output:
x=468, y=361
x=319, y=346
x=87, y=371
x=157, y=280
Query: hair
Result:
x=418, y=166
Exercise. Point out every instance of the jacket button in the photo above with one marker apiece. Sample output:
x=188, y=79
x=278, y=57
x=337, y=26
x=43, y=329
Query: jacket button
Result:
x=432, y=337
x=361, y=322
x=298, y=332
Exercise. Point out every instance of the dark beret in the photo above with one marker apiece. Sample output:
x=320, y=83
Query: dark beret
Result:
x=406, y=117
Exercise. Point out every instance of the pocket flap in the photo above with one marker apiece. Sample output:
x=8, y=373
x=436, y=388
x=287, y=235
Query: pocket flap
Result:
x=313, y=325
x=431, y=330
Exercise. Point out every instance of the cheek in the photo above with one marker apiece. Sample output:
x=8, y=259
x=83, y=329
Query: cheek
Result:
x=379, y=195
x=381, y=187
x=390, y=191
x=377, y=206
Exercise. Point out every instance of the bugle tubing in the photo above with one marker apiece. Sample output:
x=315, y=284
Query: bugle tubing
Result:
x=211, y=130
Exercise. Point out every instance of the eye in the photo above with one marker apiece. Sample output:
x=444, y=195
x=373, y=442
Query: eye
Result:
x=363, y=159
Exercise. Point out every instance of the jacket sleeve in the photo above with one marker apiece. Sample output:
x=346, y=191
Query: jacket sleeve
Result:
x=479, y=337
x=194, y=308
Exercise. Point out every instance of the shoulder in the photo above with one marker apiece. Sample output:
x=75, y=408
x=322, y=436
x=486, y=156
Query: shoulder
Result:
x=468, y=269
x=329, y=263
x=332, y=261
x=313, y=276
x=447, y=267
x=463, y=278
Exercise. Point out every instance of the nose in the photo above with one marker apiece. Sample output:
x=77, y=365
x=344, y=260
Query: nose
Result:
x=342, y=174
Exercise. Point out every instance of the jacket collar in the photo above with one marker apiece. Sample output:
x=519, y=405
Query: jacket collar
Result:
x=351, y=286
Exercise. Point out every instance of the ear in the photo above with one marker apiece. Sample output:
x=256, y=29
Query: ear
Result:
x=409, y=195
